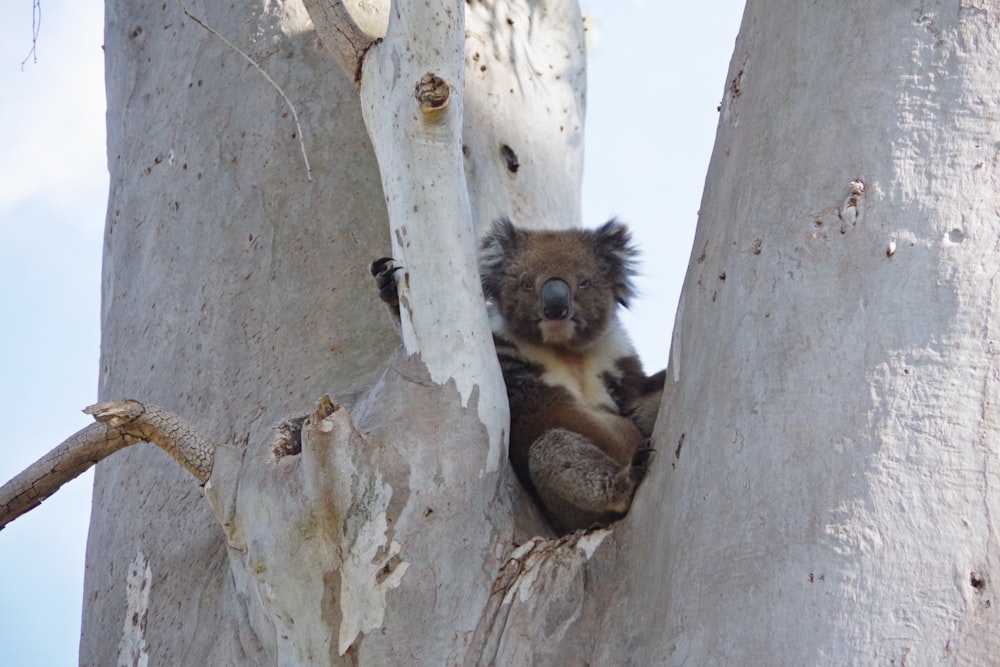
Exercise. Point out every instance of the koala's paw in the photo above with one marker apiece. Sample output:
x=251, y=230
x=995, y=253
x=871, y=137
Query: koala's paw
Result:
x=640, y=461
x=384, y=271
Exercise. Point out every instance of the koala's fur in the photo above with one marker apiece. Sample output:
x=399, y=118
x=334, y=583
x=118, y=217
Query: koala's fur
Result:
x=582, y=410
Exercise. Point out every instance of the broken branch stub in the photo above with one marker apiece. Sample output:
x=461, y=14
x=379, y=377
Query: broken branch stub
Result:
x=433, y=94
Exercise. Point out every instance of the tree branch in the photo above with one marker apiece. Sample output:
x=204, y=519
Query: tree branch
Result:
x=119, y=424
x=348, y=29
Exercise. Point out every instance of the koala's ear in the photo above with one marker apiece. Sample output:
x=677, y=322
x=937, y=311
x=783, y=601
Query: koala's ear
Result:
x=496, y=247
x=613, y=244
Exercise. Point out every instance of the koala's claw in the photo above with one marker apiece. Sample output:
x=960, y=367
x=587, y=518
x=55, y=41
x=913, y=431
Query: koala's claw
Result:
x=378, y=266
x=640, y=462
x=384, y=271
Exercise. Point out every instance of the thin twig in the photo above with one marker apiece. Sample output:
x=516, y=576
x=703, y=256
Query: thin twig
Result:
x=36, y=27
x=295, y=115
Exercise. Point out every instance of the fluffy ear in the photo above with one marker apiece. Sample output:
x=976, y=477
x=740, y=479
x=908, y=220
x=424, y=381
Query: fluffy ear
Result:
x=613, y=244
x=496, y=247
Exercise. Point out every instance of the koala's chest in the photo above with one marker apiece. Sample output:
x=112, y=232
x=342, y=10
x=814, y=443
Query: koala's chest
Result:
x=583, y=377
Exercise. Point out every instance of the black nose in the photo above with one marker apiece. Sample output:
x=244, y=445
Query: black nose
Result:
x=557, y=300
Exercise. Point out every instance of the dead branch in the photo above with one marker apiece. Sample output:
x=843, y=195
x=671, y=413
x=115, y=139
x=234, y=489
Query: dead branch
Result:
x=119, y=424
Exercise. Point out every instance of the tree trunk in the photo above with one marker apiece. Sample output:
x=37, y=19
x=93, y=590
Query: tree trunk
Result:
x=828, y=475
x=223, y=267
x=236, y=293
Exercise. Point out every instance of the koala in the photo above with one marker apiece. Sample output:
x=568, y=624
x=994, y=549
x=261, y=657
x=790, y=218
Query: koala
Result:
x=582, y=409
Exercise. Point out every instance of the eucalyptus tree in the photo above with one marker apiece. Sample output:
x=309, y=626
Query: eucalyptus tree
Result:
x=826, y=476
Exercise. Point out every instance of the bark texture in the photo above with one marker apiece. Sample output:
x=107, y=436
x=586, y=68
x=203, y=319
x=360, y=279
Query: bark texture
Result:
x=235, y=291
x=828, y=487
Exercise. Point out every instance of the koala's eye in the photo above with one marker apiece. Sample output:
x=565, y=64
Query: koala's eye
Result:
x=584, y=283
x=527, y=285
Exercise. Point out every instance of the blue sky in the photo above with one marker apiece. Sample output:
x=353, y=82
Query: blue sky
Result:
x=657, y=73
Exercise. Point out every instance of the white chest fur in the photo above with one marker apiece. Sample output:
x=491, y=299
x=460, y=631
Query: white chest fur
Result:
x=582, y=374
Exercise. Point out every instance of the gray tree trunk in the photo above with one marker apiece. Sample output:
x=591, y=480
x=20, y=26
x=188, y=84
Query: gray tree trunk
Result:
x=223, y=269
x=828, y=490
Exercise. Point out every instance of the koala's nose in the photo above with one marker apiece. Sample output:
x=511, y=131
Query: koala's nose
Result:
x=557, y=300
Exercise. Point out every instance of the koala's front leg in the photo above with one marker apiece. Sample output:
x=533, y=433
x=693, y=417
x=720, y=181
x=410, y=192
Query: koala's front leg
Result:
x=579, y=484
x=646, y=406
x=384, y=271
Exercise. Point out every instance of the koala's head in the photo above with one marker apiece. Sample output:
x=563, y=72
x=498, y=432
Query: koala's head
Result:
x=557, y=288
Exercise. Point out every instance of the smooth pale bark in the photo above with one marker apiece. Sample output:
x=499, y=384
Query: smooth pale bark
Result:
x=236, y=293
x=828, y=486
x=223, y=269
x=412, y=92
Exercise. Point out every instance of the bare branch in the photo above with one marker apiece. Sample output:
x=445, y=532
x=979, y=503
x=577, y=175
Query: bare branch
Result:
x=119, y=424
x=151, y=423
x=347, y=32
x=64, y=463
x=36, y=26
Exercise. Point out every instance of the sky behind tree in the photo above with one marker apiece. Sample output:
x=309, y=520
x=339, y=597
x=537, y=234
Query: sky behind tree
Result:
x=657, y=71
